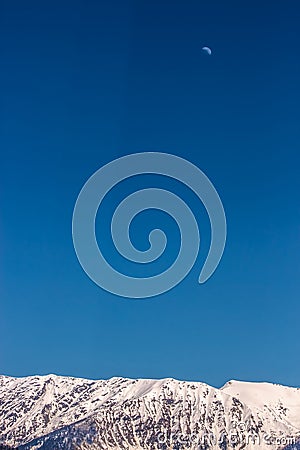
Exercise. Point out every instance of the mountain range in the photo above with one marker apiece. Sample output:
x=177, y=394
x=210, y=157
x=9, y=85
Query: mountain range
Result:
x=54, y=412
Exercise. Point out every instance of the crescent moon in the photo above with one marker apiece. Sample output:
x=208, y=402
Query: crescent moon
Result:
x=207, y=50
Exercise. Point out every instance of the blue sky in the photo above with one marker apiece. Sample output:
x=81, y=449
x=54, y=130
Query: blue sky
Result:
x=83, y=83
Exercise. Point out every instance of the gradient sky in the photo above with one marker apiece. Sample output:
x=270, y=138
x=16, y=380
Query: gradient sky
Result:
x=85, y=82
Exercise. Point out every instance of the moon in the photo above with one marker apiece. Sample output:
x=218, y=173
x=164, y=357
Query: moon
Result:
x=207, y=50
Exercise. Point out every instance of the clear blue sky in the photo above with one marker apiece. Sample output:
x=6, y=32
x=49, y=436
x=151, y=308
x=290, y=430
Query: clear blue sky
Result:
x=84, y=82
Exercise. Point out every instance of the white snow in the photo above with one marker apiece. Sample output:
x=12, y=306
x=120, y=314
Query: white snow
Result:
x=35, y=406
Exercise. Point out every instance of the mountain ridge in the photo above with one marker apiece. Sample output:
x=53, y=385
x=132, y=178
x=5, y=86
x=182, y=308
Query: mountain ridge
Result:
x=52, y=411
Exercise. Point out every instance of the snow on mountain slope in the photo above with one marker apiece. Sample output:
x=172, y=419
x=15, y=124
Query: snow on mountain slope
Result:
x=282, y=401
x=52, y=412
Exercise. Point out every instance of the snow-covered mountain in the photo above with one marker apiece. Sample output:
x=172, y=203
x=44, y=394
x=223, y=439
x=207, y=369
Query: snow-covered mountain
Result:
x=52, y=412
